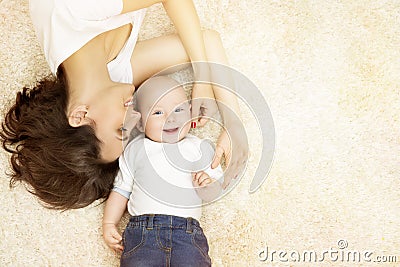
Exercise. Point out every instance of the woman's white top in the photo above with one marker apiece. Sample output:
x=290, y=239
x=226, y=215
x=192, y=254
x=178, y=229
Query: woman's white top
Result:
x=64, y=26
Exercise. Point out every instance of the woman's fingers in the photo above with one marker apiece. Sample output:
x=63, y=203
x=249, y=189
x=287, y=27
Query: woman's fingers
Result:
x=201, y=110
x=235, y=151
x=219, y=152
x=195, y=106
x=235, y=168
x=203, y=103
x=202, y=121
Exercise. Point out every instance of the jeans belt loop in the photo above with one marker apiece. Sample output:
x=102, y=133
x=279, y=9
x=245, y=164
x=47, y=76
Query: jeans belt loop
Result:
x=189, y=229
x=150, y=220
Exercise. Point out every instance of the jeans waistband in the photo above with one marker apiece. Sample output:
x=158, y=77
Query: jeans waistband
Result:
x=171, y=221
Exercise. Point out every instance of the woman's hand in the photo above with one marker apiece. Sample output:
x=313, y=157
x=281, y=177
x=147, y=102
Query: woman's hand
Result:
x=235, y=148
x=112, y=238
x=203, y=103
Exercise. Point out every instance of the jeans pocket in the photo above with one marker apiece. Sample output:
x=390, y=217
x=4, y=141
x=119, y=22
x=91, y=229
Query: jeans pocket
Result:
x=133, y=238
x=199, y=240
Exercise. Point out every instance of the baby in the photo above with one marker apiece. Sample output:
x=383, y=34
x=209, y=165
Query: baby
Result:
x=164, y=177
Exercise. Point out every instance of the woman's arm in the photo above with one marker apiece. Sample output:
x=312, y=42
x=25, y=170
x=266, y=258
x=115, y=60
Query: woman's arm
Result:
x=184, y=16
x=132, y=5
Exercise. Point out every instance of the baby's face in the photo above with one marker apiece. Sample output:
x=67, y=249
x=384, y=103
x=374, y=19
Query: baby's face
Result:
x=168, y=120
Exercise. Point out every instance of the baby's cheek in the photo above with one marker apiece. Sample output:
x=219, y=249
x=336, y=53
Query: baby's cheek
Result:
x=186, y=119
x=185, y=130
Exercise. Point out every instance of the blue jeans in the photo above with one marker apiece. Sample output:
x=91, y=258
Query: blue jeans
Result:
x=164, y=240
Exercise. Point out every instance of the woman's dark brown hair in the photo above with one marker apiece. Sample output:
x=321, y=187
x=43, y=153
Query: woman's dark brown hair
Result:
x=60, y=164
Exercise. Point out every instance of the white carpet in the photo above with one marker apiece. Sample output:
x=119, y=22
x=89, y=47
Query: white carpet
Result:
x=330, y=72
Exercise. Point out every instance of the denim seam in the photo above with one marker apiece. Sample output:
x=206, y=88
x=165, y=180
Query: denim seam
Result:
x=206, y=256
x=129, y=253
x=158, y=239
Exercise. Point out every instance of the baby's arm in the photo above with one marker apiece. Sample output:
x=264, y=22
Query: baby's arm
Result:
x=207, y=189
x=113, y=211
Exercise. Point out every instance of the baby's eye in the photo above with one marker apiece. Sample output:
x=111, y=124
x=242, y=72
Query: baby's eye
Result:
x=178, y=109
x=158, y=112
x=123, y=129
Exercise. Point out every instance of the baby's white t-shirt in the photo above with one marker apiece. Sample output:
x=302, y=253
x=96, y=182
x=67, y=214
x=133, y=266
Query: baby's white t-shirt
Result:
x=64, y=26
x=156, y=177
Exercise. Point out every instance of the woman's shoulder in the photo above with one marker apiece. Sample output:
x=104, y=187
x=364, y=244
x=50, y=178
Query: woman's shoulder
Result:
x=76, y=21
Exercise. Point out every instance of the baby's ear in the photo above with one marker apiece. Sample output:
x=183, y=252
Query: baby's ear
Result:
x=78, y=116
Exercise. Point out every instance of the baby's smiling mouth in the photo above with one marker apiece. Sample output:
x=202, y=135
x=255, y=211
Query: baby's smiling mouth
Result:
x=171, y=131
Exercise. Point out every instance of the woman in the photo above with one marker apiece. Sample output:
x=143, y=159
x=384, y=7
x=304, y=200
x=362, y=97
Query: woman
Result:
x=65, y=134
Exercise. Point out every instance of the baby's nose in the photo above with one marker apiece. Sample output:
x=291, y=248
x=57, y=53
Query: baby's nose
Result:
x=171, y=117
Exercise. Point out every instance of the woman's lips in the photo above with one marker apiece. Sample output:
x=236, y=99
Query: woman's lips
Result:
x=128, y=102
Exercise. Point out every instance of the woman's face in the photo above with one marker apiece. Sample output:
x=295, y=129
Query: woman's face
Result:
x=114, y=118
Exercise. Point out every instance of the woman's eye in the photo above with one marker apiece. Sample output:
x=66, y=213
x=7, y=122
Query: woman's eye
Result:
x=178, y=109
x=157, y=112
x=123, y=129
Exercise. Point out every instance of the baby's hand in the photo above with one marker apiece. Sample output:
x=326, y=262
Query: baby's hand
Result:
x=207, y=189
x=201, y=179
x=112, y=237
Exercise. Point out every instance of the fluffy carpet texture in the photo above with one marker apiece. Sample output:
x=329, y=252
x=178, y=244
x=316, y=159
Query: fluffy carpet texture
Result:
x=330, y=72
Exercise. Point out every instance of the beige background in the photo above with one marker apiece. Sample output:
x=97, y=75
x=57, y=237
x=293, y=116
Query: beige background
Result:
x=330, y=72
